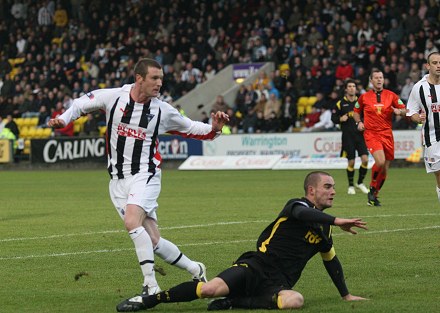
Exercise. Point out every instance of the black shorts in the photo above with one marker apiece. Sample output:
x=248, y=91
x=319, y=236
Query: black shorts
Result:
x=352, y=143
x=249, y=276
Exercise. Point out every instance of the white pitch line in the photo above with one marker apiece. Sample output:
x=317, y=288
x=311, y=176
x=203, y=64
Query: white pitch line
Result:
x=123, y=231
x=194, y=226
x=198, y=244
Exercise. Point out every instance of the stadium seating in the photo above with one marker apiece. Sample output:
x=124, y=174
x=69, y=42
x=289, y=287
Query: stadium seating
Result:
x=102, y=130
x=47, y=132
x=24, y=130
x=32, y=132
x=39, y=132
x=302, y=103
x=27, y=146
x=29, y=121
x=310, y=102
x=305, y=105
x=19, y=121
x=78, y=125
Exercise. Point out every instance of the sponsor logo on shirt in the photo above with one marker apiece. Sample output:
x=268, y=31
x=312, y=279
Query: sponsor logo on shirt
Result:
x=149, y=116
x=378, y=107
x=124, y=112
x=435, y=108
x=127, y=131
x=312, y=238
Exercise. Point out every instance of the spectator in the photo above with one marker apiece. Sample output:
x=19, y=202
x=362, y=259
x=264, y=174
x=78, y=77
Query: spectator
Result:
x=220, y=104
x=90, y=127
x=288, y=113
x=311, y=119
x=396, y=33
x=430, y=48
x=325, y=120
x=60, y=20
x=272, y=105
x=240, y=98
x=411, y=21
x=43, y=116
x=250, y=121
x=414, y=72
x=272, y=123
x=44, y=15
x=12, y=126
x=260, y=91
x=6, y=133
x=262, y=80
x=344, y=70
x=235, y=122
x=191, y=71
x=406, y=90
x=19, y=10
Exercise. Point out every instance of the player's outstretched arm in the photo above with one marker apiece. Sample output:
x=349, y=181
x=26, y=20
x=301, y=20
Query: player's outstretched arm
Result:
x=56, y=123
x=348, y=224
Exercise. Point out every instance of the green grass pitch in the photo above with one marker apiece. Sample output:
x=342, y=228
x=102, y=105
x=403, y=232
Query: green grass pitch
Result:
x=63, y=247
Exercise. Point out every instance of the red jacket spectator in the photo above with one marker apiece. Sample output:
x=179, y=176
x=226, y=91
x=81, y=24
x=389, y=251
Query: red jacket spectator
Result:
x=344, y=70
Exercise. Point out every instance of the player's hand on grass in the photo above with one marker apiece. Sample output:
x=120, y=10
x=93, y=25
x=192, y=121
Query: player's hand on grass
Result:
x=56, y=123
x=350, y=297
x=347, y=224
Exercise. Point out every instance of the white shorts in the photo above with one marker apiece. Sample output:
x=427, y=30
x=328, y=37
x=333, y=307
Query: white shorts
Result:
x=432, y=158
x=136, y=190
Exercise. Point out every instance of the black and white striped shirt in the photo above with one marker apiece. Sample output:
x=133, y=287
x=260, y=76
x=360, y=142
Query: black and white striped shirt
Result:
x=133, y=128
x=425, y=96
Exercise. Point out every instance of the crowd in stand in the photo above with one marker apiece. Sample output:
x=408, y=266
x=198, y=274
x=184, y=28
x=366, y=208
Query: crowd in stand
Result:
x=54, y=51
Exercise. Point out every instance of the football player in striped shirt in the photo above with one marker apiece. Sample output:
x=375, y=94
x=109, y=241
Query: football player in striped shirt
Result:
x=424, y=107
x=135, y=118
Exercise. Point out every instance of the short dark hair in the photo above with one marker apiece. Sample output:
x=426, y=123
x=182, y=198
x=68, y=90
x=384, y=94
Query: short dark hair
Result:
x=375, y=70
x=143, y=64
x=432, y=53
x=349, y=81
x=313, y=178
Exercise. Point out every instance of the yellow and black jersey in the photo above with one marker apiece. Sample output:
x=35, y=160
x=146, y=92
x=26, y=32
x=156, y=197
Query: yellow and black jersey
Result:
x=343, y=107
x=296, y=235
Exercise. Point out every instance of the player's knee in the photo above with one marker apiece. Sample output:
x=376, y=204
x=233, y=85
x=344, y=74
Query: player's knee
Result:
x=208, y=290
x=290, y=299
x=133, y=217
x=130, y=224
x=214, y=288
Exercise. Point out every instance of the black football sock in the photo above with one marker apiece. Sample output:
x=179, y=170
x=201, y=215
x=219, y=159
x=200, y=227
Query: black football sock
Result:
x=350, y=175
x=362, y=174
x=184, y=292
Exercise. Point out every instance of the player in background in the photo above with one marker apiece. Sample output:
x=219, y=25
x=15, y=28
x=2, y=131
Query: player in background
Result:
x=377, y=107
x=264, y=278
x=424, y=107
x=135, y=118
x=352, y=138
